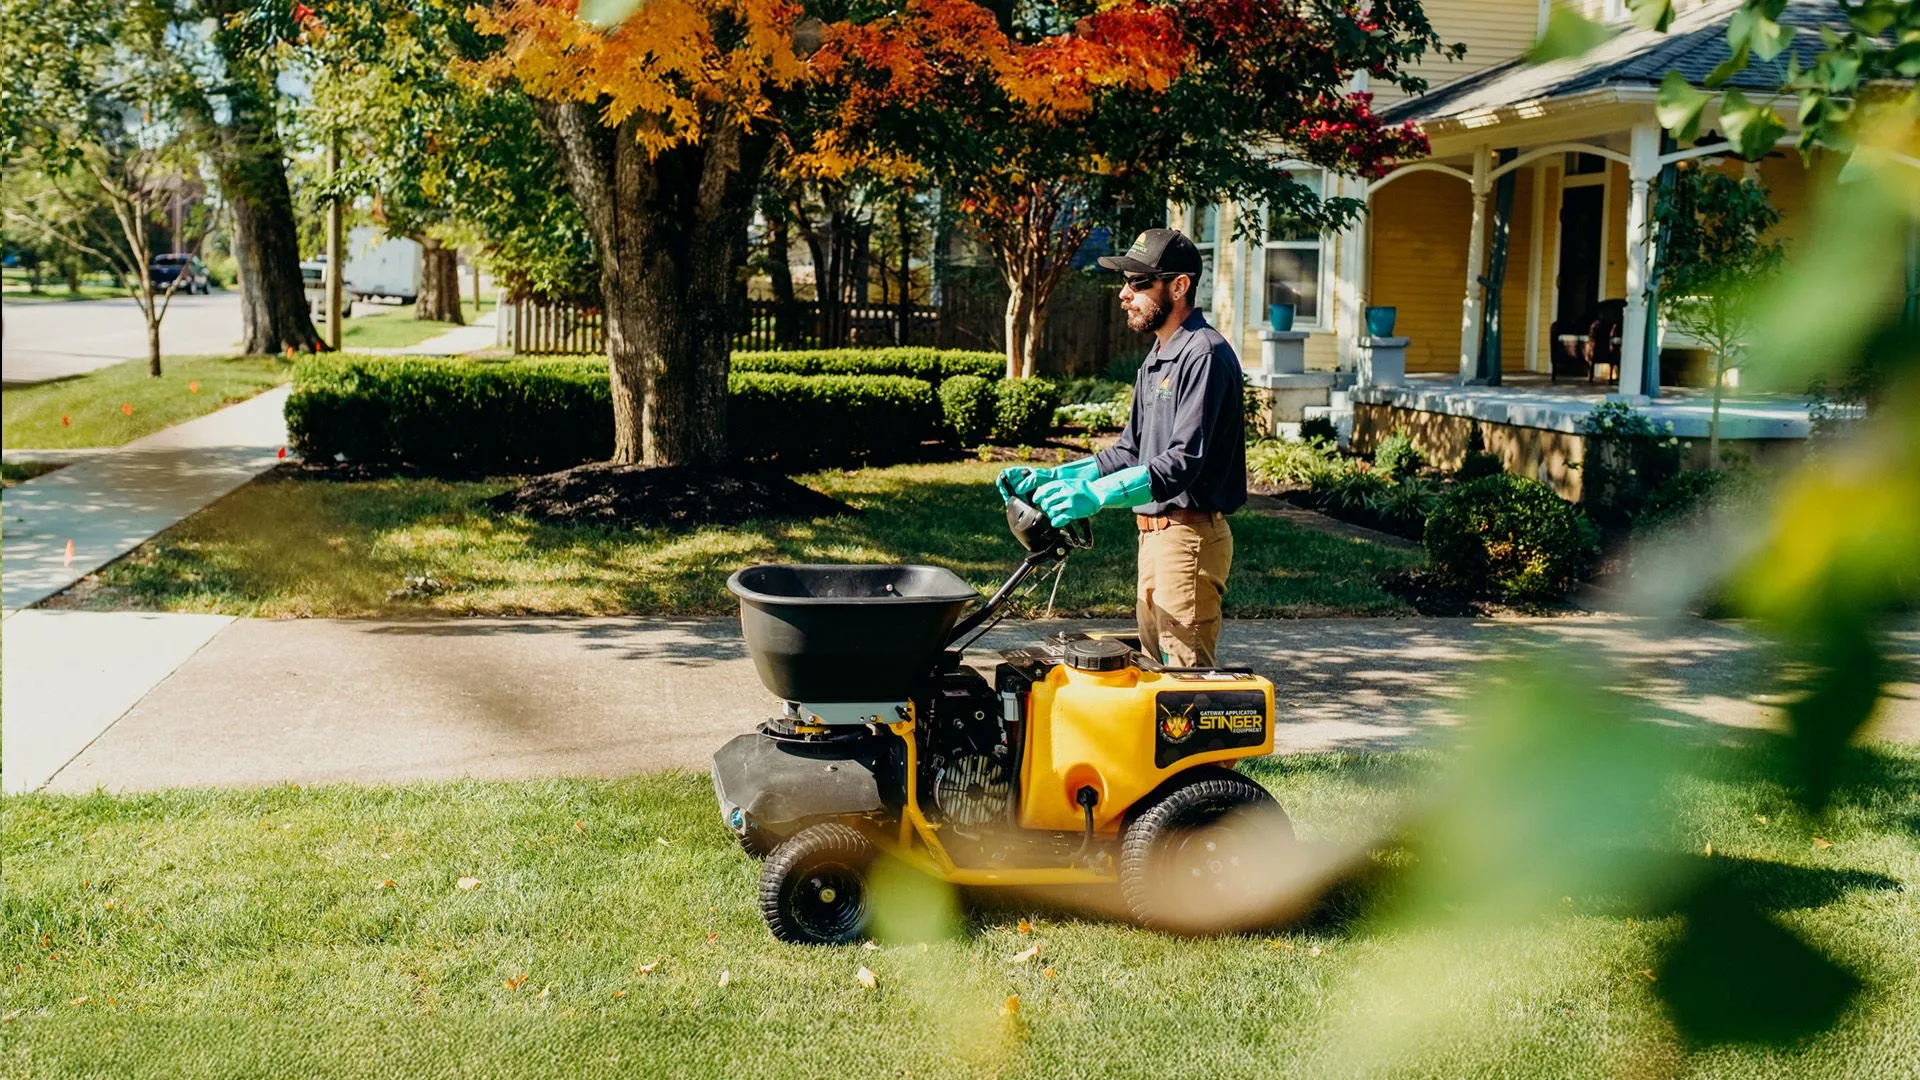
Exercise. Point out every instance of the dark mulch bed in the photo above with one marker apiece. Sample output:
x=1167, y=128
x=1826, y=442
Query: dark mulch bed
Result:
x=1428, y=595
x=673, y=497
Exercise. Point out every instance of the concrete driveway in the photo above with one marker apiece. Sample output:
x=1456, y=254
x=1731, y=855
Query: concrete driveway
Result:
x=48, y=340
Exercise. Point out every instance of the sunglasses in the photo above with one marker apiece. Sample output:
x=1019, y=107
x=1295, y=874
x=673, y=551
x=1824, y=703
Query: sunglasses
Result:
x=1141, y=282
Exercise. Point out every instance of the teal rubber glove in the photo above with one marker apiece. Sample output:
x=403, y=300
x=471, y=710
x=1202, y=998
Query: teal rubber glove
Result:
x=1024, y=480
x=1073, y=498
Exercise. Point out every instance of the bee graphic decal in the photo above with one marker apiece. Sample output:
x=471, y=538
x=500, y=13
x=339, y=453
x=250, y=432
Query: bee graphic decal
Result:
x=1175, y=727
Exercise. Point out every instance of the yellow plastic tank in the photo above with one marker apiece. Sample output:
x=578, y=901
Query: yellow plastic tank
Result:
x=1123, y=732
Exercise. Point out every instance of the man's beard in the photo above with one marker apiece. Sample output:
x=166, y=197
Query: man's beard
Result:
x=1147, y=322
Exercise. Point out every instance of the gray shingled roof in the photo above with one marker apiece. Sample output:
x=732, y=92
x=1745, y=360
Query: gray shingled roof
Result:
x=1694, y=45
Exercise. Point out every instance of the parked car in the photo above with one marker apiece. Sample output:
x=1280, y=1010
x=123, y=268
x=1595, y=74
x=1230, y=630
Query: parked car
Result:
x=191, y=272
x=384, y=266
x=314, y=275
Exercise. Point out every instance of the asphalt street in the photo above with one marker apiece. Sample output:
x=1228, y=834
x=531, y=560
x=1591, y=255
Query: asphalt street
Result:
x=43, y=341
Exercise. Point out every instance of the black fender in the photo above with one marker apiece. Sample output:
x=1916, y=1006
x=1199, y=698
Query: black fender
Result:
x=779, y=786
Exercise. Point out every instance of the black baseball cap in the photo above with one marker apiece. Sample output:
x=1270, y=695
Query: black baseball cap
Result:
x=1157, y=251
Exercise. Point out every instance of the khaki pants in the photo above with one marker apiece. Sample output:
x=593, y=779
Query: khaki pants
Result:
x=1183, y=575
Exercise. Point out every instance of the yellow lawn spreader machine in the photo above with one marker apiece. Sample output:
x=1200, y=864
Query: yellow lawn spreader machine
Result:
x=1081, y=762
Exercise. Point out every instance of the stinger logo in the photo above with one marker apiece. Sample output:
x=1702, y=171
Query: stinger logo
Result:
x=1175, y=727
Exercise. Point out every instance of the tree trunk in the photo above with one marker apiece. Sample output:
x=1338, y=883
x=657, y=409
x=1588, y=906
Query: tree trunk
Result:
x=153, y=346
x=273, y=297
x=439, y=283
x=1713, y=422
x=786, y=315
x=671, y=233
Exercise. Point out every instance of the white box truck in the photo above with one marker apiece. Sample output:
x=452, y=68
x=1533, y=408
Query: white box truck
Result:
x=381, y=265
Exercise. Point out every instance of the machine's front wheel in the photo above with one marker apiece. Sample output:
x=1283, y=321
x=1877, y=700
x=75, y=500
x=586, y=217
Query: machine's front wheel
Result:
x=813, y=888
x=1207, y=855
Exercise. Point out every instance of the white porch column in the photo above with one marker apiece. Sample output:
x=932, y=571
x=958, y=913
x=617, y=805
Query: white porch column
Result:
x=1536, y=255
x=1476, y=260
x=1643, y=165
x=1350, y=282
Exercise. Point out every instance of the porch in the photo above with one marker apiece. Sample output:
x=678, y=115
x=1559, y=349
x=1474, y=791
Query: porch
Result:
x=1534, y=424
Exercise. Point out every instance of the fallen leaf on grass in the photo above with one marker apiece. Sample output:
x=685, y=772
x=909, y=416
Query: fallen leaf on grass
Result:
x=46, y=941
x=1025, y=927
x=866, y=977
x=1047, y=972
x=1709, y=851
x=1024, y=955
x=713, y=937
x=1819, y=843
x=871, y=946
x=514, y=982
x=81, y=1000
x=545, y=990
x=579, y=826
x=12, y=1016
x=111, y=904
x=1010, y=1006
x=619, y=993
x=126, y=407
x=1315, y=951
x=467, y=884
x=663, y=841
x=193, y=387
x=646, y=969
x=65, y=420
x=378, y=885
x=1647, y=973
x=726, y=977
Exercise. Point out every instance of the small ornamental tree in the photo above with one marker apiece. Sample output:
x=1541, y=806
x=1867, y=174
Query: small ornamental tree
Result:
x=1038, y=129
x=1715, y=258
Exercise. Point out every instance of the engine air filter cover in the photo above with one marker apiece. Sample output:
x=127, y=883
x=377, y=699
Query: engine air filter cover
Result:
x=1098, y=655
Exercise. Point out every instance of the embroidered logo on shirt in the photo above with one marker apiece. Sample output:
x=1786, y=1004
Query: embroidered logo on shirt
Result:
x=1165, y=389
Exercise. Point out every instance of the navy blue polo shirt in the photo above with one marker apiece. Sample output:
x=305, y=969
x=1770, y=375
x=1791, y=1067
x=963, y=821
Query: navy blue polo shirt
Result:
x=1188, y=423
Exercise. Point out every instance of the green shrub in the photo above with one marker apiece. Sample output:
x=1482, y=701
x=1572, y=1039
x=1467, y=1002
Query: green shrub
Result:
x=1318, y=428
x=933, y=366
x=1397, y=456
x=1023, y=411
x=812, y=417
x=1094, y=415
x=1289, y=464
x=1088, y=390
x=453, y=415
x=1627, y=458
x=966, y=402
x=1509, y=537
x=1688, y=497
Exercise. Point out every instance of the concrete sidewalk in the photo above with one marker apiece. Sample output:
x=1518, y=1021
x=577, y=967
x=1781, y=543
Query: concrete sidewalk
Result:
x=110, y=503
x=377, y=701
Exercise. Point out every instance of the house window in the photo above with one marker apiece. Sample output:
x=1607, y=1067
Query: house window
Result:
x=1584, y=165
x=1294, y=256
x=1204, y=230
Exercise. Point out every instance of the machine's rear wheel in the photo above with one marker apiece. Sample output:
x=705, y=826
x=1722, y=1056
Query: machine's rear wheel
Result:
x=1206, y=855
x=813, y=888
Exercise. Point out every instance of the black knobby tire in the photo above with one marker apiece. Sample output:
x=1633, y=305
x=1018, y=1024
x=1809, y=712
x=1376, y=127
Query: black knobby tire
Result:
x=813, y=888
x=1180, y=866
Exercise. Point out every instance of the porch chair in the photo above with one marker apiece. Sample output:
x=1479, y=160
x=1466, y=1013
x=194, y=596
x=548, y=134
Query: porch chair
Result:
x=1567, y=345
x=1603, y=336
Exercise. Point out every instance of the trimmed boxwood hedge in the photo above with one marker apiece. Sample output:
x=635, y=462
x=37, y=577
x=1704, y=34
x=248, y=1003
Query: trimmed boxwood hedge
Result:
x=935, y=366
x=540, y=415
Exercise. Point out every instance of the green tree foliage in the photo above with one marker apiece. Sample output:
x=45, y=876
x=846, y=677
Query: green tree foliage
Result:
x=1716, y=255
x=442, y=158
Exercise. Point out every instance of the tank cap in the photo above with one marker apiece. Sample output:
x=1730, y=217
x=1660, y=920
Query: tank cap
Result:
x=1098, y=655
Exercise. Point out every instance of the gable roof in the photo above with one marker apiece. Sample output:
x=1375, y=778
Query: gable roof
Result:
x=1694, y=45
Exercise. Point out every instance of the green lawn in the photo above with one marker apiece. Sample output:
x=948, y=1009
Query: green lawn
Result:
x=53, y=290
x=12, y=472
x=382, y=326
x=322, y=932
x=283, y=547
x=118, y=404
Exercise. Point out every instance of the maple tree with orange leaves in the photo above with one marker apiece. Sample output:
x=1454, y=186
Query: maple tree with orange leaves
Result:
x=1039, y=128
x=1037, y=123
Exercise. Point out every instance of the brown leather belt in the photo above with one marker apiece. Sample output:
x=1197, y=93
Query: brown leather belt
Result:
x=1157, y=522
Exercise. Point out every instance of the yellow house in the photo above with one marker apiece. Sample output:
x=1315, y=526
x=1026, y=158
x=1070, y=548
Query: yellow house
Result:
x=1553, y=167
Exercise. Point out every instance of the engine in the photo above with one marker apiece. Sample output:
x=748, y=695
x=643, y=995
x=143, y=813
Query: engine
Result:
x=969, y=759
